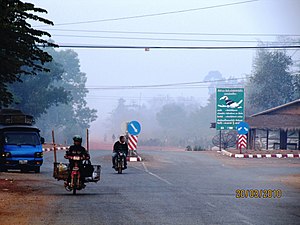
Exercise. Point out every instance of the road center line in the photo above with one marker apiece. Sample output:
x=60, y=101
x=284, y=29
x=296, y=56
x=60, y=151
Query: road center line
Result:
x=245, y=219
x=145, y=168
x=247, y=222
x=155, y=175
x=210, y=204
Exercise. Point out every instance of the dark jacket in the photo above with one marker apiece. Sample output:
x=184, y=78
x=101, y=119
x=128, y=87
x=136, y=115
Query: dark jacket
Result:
x=75, y=150
x=119, y=147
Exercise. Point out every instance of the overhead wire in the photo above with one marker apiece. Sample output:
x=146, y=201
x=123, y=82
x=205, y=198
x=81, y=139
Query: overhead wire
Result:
x=163, y=86
x=174, y=33
x=128, y=98
x=147, y=47
x=152, y=15
x=166, y=33
x=167, y=39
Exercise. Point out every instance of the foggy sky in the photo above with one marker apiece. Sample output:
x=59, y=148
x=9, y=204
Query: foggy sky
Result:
x=139, y=67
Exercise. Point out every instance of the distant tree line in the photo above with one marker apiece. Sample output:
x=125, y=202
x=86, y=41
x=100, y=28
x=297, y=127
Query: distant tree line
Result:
x=274, y=80
x=168, y=122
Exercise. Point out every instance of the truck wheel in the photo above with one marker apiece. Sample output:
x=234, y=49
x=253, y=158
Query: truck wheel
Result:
x=37, y=169
x=3, y=169
x=24, y=170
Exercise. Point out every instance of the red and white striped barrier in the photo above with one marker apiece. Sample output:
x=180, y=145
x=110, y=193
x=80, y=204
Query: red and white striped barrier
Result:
x=132, y=142
x=134, y=159
x=224, y=152
x=52, y=149
x=242, y=141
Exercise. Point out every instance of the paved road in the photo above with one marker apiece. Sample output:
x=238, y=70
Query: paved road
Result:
x=174, y=188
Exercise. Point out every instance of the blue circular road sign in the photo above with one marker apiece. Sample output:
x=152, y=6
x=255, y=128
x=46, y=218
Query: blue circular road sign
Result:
x=134, y=128
x=242, y=128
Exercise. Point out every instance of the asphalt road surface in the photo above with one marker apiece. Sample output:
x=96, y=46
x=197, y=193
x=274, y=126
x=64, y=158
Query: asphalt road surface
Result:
x=167, y=188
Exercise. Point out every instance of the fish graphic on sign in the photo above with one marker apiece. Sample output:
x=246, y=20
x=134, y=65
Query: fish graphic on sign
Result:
x=230, y=103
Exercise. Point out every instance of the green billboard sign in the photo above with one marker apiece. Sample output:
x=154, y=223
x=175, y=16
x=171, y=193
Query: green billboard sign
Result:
x=229, y=108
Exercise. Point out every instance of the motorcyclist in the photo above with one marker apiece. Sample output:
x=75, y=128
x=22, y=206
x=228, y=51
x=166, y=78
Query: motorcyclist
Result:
x=76, y=150
x=120, y=146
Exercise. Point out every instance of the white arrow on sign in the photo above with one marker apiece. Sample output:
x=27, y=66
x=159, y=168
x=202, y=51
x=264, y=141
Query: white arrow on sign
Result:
x=135, y=130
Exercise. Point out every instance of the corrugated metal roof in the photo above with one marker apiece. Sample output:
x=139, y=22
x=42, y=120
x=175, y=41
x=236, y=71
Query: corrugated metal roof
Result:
x=286, y=122
x=269, y=120
x=276, y=108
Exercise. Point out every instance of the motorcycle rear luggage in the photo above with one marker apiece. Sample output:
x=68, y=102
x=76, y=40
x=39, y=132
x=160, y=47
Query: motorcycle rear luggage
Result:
x=61, y=171
x=95, y=176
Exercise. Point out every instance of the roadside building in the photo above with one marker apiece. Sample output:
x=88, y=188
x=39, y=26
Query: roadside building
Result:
x=276, y=128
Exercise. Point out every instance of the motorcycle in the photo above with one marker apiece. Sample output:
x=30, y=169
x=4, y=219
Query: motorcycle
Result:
x=75, y=183
x=89, y=173
x=120, y=162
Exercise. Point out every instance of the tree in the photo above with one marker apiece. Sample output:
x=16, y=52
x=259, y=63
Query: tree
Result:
x=122, y=113
x=73, y=116
x=296, y=84
x=216, y=80
x=199, y=123
x=271, y=83
x=173, y=119
x=296, y=76
x=38, y=93
x=20, y=45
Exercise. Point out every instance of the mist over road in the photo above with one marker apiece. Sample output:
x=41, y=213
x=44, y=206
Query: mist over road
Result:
x=169, y=187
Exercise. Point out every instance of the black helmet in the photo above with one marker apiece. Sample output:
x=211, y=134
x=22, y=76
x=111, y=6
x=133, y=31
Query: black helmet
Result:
x=77, y=138
x=121, y=137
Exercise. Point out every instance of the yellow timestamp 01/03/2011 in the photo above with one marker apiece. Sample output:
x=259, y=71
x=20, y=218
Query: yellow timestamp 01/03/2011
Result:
x=258, y=193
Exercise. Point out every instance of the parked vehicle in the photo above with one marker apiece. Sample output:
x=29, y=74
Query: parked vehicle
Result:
x=20, y=142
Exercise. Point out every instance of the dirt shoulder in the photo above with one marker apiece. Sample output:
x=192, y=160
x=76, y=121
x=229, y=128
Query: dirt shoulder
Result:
x=290, y=180
x=23, y=200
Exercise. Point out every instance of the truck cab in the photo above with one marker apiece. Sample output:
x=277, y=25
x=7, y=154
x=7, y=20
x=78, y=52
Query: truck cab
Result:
x=20, y=142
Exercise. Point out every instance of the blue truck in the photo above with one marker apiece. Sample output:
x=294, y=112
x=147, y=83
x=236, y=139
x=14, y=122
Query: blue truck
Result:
x=20, y=142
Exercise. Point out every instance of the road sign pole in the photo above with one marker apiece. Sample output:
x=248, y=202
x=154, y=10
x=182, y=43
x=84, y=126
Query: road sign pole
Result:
x=133, y=130
x=87, y=140
x=54, y=146
x=220, y=141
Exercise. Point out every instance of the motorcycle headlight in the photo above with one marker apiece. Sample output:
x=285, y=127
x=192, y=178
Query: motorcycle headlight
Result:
x=38, y=155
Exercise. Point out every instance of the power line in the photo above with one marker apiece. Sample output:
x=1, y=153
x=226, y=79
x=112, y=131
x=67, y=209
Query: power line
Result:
x=150, y=99
x=162, y=88
x=175, y=33
x=164, y=39
x=153, y=98
x=153, y=14
x=170, y=85
x=174, y=47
